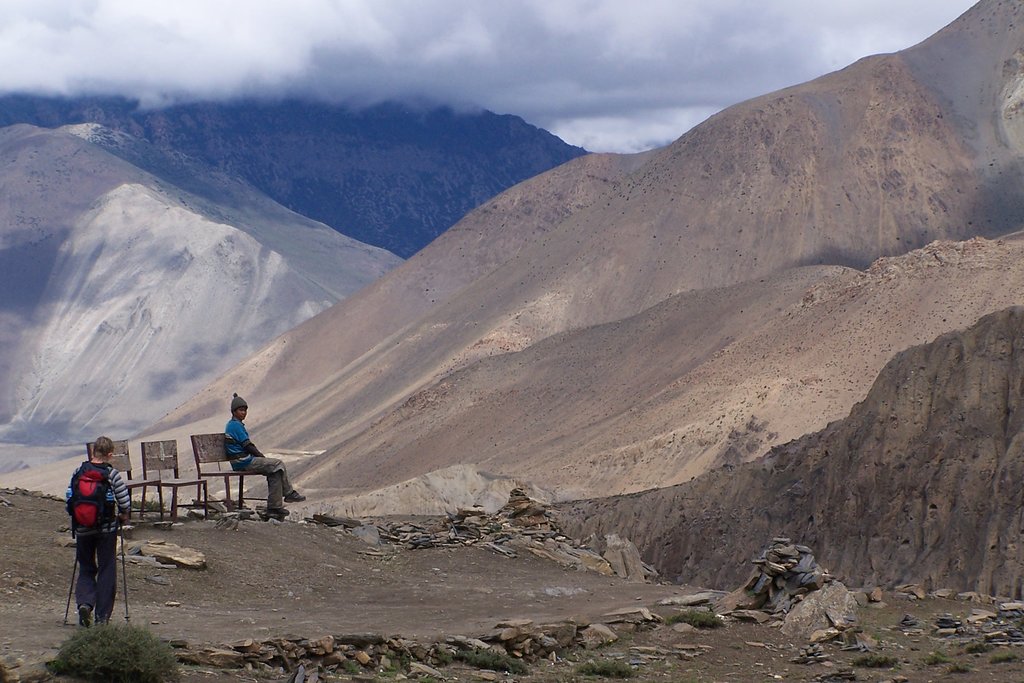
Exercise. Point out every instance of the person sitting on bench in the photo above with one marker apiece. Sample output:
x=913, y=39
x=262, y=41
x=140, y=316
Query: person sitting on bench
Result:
x=245, y=457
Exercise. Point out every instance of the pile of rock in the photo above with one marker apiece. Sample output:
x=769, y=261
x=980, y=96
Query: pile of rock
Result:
x=521, y=525
x=785, y=573
x=521, y=516
x=1000, y=627
x=520, y=639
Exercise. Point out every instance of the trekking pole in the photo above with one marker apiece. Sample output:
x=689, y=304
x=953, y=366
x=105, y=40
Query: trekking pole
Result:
x=74, y=570
x=124, y=573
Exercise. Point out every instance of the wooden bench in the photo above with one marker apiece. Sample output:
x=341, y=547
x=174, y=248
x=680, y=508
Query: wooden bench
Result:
x=212, y=462
x=121, y=461
x=160, y=465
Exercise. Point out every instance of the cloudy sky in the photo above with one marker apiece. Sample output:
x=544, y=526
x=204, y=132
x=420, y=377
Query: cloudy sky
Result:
x=608, y=75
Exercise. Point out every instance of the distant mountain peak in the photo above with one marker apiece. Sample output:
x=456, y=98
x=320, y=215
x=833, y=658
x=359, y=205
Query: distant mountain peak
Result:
x=392, y=175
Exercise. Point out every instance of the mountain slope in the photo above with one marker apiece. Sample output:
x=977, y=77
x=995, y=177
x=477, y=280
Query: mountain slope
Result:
x=867, y=162
x=293, y=368
x=136, y=291
x=920, y=483
x=391, y=175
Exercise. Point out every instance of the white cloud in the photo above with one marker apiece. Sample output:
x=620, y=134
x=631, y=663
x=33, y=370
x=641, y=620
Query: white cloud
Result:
x=604, y=74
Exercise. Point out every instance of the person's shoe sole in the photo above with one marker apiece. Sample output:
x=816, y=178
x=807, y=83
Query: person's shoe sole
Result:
x=85, y=616
x=294, y=498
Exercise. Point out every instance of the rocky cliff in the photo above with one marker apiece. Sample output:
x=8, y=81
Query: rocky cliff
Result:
x=921, y=482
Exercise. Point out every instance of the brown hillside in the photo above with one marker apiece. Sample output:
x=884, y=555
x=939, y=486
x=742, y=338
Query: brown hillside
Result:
x=920, y=483
x=870, y=161
x=328, y=343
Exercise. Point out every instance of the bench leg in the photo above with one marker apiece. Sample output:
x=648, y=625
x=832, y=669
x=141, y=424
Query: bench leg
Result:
x=201, y=493
x=227, y=494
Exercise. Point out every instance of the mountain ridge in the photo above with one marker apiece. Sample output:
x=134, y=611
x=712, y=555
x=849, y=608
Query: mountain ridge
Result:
x=392, y=175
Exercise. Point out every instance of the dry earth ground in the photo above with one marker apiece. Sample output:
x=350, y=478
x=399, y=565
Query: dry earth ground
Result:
x=267, y=580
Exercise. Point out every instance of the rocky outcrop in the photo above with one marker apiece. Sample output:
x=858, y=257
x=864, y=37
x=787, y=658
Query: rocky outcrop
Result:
x=921, y=482
x=521, y=525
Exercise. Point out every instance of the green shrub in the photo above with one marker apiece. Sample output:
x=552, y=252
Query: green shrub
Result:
x=608, y=668
x=937, y=658
x=1004, y=658
x=399, y=661
x=977, y=648
x=958, y=668
x=151, y=505
x=699, y=618
x=494, y=661
x=876, y=661
x=116, y=654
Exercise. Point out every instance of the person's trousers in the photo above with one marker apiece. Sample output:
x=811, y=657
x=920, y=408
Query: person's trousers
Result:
x=278, y=484
x=97, y=573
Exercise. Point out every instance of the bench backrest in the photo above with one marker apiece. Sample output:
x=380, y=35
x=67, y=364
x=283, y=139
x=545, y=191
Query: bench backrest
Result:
x=208, y=448
x=119, y=460
x=159, y=457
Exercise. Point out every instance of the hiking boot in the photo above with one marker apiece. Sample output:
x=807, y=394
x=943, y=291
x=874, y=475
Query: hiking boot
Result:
x=294, y=497
x=85, y=615
x=275, y=513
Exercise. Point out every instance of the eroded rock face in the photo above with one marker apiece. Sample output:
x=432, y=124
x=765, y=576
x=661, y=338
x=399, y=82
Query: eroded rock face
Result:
x=921, y=482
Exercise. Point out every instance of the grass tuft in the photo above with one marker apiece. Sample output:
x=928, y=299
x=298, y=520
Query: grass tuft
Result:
x=698, y=618
x=876, y=661
x=493, y=661
x=937, y=658
x=606, y=668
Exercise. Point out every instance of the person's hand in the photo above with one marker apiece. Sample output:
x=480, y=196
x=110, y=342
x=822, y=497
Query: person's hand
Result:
x=122, y=517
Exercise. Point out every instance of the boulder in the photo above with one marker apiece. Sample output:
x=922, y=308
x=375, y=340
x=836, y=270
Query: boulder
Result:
x=597, y=635
x=168, y=553
x=624, y=558
x=834, y=606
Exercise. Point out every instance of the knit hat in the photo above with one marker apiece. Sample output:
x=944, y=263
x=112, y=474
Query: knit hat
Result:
x=238, y=402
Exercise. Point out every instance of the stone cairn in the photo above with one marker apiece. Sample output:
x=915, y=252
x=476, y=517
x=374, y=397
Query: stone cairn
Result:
x=785, y=572
x=521, y=525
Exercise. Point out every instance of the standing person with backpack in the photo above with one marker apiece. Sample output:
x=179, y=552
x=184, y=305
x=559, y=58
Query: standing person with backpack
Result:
x=98, y=501
x=244, y=456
